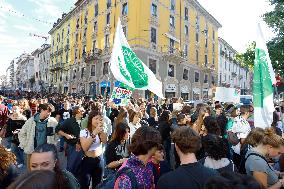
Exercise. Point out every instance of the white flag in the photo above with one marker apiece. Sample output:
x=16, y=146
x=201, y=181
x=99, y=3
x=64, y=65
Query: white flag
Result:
x=127, y=68
x=263, y=79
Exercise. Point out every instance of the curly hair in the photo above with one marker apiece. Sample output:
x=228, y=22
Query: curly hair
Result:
x=6, y=158
x=214, y=146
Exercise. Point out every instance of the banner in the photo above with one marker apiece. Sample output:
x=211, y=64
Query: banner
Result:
x=121, y=96
x=224, y=94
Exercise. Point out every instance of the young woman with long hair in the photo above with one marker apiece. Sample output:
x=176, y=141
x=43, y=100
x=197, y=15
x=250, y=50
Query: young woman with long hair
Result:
x=91, y=140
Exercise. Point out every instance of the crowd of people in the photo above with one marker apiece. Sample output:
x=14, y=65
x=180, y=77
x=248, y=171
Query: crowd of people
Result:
x=146, y=144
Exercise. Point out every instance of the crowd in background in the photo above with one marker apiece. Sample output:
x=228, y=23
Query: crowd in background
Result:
x=147, y=144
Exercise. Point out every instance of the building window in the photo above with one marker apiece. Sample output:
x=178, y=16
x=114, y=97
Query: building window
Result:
x=171, y=70
x=106, y=41
x=124, y=29
x=62, y=35
x=206, y=42
x=85, y=32
x=172, y=45
x=86, y=18
x=84, y=50
x=125, y=9
x=108, y=18
x=76, y=54
x=153, y=35
x=172, y=21
x=197, y=56
x=205, y=78
x=153, y=65
x=213, y=60
x=213, y=36
x=94, y=45
x=186, y=13
x=96, y=9
x=95, y=25
x=105, y=68
x=185, y=74
x=196, y=77
x=185, y=50
x=93, y=70
x=206, y=60
x=186, y=30
x=154, y=9
x=82, y=72
x=197, y=36
x=197, y=22
x=108, y=4
x=173, y=4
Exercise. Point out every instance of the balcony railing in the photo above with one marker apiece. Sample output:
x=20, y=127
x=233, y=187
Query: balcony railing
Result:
x=94, y=55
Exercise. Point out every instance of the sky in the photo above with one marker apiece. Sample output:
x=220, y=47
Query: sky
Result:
x=238, y=18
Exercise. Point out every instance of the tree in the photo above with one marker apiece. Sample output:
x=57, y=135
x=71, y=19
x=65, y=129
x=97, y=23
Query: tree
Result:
x=246, y=59
x=274, y=19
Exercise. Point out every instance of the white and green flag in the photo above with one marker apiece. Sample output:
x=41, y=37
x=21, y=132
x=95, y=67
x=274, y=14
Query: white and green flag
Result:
x=127, y=68
x=263, y=79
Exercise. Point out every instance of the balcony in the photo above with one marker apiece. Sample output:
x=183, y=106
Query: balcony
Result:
x=173, y=54
x=94, y=55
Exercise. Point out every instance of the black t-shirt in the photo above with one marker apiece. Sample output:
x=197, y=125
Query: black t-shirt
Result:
x=193, y=176
x=65, y=114
x=115, y=151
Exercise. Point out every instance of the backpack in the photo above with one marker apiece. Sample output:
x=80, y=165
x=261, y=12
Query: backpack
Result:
x=110, y=181
x=242, y=168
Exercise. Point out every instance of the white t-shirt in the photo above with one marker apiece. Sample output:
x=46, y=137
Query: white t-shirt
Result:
x=96, y=143
x=242, y=128
x=133, y=128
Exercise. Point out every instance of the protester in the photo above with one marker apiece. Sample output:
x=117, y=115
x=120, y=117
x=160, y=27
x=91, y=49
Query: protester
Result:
x=7, y=167
x=91, y=140
x=153, y=118
x=5, y=141
x=70, y=130
x=165, y=130
x=230, y=180
x=45, y=157
x=144, y=144
x=216, y=154
x=257, y=165
x=37, y=130
x=41, y=179
x=191, y=173
x=134, y=122
x=159, y=165
x=116, y=152
x=14, y=124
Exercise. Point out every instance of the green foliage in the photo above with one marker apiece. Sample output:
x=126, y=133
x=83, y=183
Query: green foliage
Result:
x=246, y=59
x=275, y=20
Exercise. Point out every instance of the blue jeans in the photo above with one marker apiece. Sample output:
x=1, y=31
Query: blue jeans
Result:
x=18, y=152
x=73, y=159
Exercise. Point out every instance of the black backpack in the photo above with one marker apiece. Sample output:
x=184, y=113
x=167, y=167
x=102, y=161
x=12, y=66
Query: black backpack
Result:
x=110, y=181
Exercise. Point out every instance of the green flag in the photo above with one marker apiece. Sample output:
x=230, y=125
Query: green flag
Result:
x=264, y=78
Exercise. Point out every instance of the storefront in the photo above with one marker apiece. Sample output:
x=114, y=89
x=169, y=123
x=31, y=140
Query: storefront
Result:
x=170, y=90
x=184, y=92
x=195, y=94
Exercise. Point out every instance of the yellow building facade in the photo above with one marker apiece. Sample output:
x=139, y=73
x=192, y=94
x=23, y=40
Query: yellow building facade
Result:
x=177, y=39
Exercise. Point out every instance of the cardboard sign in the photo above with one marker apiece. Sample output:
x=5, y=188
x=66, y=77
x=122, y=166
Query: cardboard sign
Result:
x=121, y=96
